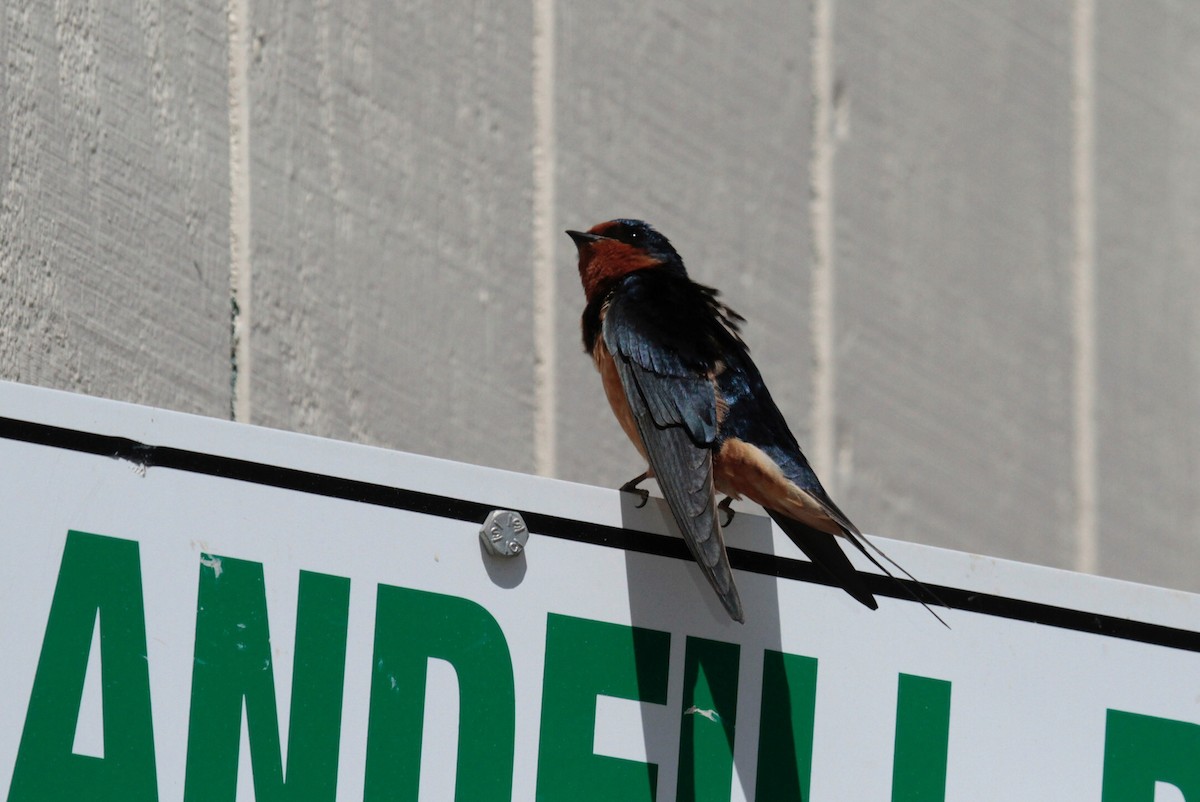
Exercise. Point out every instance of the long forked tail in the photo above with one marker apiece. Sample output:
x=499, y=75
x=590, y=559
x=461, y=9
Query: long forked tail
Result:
x=860, y=539
x=824, y=552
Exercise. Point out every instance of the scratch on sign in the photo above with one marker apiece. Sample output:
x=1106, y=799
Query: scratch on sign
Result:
x=212, y=562
x=711, y=715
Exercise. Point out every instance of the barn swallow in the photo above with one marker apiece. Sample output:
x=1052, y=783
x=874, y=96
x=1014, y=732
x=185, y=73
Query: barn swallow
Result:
x=682, y=385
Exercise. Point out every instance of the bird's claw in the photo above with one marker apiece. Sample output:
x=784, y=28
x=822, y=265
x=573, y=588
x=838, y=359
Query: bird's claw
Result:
x=727, y=508
x=632, y=487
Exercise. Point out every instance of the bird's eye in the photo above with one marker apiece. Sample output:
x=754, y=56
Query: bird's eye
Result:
x=635, y=235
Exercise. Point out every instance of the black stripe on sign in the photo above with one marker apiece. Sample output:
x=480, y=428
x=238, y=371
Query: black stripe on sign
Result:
x=582, y=531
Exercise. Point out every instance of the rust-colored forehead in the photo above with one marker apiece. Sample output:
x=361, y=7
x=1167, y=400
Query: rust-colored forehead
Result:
x=604, y=229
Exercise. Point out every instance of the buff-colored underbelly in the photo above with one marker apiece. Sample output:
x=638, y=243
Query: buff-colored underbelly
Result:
x=743, y=470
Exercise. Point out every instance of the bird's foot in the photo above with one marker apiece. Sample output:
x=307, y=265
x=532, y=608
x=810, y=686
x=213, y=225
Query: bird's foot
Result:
x=727, y=508
x=632, y=487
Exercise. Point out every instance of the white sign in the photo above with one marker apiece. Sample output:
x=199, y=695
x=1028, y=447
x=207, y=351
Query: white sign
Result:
x=197, y=610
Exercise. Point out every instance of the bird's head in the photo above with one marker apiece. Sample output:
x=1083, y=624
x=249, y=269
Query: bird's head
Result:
x=610, y=250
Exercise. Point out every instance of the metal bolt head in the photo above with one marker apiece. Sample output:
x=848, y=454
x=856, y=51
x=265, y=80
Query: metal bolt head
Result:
x=504, y=533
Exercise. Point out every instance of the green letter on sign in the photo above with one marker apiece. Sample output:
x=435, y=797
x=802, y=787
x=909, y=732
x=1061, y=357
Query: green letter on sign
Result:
x=710, y=684
x=785, y=740
x=922, y=740
x=585, y=659
x=233, y=665
x=1142, y=750
x=99, y=576
x=412, y=626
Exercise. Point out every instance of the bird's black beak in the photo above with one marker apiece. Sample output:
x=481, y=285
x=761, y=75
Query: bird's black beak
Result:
x=582, y=238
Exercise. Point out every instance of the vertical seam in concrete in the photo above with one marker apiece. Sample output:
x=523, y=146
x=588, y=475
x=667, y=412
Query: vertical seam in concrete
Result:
x=239, y=210
x=1084, y=285
x=545, y=425
x=820, y=210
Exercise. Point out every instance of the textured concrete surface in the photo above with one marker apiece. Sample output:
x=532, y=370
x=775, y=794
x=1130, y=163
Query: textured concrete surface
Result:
x=391, y=170
x=953, y=198
x=114, y=199
x=964, y=234
x=1148, y=290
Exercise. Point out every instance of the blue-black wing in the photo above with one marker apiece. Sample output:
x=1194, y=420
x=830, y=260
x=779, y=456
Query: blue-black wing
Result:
x=659, y=335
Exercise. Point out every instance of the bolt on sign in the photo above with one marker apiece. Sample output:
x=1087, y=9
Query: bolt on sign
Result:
x=198, y=610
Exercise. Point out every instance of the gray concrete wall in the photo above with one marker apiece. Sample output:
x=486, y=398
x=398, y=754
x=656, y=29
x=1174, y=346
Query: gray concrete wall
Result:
x=966, y=236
